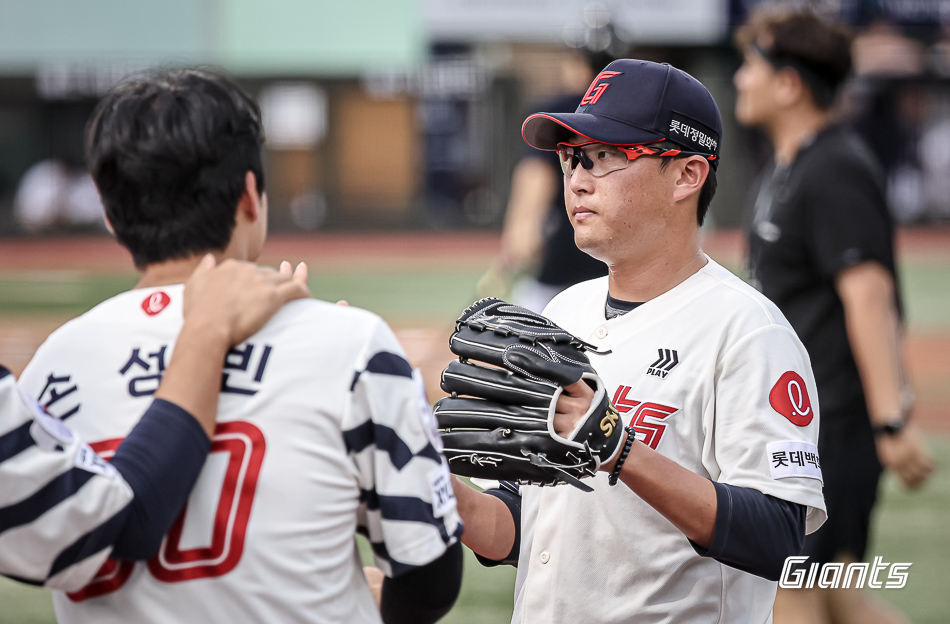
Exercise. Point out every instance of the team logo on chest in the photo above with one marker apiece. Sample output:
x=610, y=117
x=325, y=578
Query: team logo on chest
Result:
x=664, y=364
x=647, y=418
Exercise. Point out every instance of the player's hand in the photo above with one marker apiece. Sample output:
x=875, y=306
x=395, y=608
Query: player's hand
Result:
x=907, y=455
x=374, y=578
x=239, y=297
x=573, y=403
x=496, y=282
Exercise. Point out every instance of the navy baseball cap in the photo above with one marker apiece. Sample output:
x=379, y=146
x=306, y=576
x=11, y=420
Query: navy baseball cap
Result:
x=632, y=102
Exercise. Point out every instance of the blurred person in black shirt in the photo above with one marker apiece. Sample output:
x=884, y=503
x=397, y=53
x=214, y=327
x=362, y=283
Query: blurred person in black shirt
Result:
x=537, y=239
x=821, y=247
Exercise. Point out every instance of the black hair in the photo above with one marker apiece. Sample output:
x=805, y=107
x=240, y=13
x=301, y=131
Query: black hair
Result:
x=169, y=154
x=706, y=193
x=818, y=49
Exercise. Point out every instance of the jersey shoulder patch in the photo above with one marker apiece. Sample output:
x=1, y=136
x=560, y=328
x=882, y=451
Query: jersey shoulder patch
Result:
x=790, y=399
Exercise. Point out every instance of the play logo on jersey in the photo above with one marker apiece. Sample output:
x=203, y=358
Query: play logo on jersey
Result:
x=664, y=364
x=790, y=399
x=155, y=303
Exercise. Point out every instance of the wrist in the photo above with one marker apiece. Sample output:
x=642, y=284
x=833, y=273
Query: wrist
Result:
x=608, y=465
x=620, y=459
x=889, y=429
x=892, y=426
x=207, y=333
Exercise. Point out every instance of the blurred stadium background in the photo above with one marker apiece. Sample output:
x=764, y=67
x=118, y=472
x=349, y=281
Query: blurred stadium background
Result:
x=393, y=126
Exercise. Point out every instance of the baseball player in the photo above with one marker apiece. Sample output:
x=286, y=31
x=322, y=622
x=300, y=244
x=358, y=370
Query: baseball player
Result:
x=63, y=509
x=323, y=428
x=719, y=476
x=821, y=246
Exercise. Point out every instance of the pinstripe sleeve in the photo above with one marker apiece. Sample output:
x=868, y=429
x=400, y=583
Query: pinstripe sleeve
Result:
x=407, y=506
x=61, y=505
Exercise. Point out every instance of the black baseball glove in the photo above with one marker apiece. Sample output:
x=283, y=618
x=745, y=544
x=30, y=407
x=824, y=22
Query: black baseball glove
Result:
x=499, y=422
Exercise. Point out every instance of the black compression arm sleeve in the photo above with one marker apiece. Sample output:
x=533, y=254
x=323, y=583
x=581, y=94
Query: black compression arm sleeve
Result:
x=513, y=502
x=755, y=532
x=161, y=460
x=423, y=595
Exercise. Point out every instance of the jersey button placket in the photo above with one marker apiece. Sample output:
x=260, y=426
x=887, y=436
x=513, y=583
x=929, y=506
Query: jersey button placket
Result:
x=545, y=556
x=601, y=332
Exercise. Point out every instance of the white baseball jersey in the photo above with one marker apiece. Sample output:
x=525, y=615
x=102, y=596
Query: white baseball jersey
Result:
x=57, y=497
x=323, y=430
x=711, y=375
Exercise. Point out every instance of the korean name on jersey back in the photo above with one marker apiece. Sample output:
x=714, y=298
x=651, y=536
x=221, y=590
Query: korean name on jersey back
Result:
x=320, y=429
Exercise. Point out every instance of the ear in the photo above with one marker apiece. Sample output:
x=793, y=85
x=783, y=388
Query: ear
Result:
x=790, y=87
x=249, y=206
x=692, y=174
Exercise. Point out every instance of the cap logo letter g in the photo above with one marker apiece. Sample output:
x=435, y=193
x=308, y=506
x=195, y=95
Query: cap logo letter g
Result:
x=597, y=88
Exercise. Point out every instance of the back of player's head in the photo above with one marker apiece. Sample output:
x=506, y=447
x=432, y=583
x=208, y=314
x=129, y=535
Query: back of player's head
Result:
x=817, y=49
x=169, y=154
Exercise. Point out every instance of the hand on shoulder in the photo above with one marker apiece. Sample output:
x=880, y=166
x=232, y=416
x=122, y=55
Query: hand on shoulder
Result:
x=239, y=297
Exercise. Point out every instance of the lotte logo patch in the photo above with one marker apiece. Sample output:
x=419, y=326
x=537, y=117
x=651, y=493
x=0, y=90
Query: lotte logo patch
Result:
x=790, y=399
x=155, y=303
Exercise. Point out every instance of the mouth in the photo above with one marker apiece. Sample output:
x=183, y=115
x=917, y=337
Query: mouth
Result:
x=581, y=213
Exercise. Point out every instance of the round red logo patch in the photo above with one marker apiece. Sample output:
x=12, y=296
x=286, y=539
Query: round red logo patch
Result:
x=790, y=399
x=155, y=303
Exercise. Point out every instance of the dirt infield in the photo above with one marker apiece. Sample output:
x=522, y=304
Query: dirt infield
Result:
x=928, y=354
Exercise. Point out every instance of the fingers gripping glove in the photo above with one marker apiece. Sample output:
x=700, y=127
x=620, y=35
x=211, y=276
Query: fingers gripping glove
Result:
x=499, y=421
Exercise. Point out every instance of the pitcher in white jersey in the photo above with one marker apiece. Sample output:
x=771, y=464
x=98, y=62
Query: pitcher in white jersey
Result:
x=323, y=427
x=720, y=477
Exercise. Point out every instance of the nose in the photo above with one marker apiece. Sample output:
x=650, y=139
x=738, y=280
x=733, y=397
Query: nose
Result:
x=581, y=181
x=738, y=79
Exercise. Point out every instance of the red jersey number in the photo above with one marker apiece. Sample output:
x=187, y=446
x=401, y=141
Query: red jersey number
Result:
x=244, y=445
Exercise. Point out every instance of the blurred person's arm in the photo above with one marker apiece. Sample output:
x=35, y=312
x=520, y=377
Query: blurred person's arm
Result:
x=534, y=186
x=867, y=294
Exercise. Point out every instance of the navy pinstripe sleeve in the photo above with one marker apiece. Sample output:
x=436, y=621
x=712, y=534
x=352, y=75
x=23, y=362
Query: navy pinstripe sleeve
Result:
x=50, y=475
x=407, y=508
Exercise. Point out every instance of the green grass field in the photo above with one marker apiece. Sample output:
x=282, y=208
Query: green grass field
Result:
x=423, y=296
x=438, y=296
x=909, y=526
